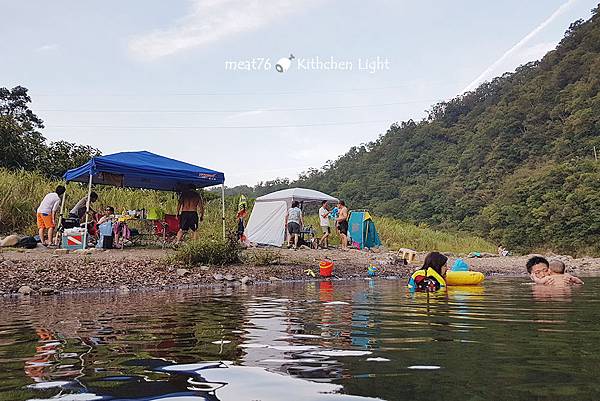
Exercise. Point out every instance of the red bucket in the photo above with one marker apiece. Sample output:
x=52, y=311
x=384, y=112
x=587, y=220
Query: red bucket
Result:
x=326, y=268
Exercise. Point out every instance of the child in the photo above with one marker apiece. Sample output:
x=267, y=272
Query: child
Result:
x=430, y=277
x=555, y=276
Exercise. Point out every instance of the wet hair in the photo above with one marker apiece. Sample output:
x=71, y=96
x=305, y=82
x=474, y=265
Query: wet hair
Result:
x=341, y=202
x=557, y=266
x=534, y=261
x=436, y=261
x=295, y=204
x=60, y=190
x=93, y=197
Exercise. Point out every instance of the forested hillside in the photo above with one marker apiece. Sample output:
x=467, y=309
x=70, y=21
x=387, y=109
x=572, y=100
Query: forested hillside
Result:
x=512, y=160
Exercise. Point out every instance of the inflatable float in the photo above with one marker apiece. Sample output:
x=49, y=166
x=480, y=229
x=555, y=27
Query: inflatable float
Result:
x=464, y=278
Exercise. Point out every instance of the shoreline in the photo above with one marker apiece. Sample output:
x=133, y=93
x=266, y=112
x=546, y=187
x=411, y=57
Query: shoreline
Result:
x=45, y=272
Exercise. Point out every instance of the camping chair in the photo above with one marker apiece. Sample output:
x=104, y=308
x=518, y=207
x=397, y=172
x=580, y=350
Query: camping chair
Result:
x=167, y=228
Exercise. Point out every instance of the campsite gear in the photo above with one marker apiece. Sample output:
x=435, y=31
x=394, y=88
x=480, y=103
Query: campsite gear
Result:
x=155, y=214
x=73, y=238
x=460, y=266
x=361, y=230
x=167, y=228
x=69, y=222
x=106, y=238
x=464, y=278
x=27, y=243
x=408, y=255
x=267, y=222
x=427, y=281
x=326, y=268
x=310, y=272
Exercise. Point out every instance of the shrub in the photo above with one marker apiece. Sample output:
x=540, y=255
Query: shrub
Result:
x=208, y=251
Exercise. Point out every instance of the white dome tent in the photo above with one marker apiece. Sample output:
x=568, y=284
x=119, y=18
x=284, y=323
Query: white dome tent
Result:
x=266, y=225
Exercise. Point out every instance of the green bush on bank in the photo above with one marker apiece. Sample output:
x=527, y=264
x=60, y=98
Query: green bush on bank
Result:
x=208, y=251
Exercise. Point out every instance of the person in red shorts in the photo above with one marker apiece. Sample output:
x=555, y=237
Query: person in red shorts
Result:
x=46, y=214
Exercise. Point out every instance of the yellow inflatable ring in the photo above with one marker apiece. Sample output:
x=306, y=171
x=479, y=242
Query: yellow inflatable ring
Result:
x=464, y=278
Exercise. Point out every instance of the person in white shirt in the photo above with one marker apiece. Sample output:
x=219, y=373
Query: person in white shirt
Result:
x=46, y=214
x=324, y=221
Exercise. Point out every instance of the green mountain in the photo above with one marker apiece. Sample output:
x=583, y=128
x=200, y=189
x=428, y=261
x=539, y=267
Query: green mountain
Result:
x=512, y=161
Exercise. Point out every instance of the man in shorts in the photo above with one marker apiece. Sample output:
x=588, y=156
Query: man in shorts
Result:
x=342, y=224
x=46, y=214
x=324, y=222
x=294, y=223
x=189, y=206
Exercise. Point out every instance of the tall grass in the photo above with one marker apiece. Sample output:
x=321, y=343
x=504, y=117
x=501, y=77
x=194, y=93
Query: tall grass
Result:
x=21, y=192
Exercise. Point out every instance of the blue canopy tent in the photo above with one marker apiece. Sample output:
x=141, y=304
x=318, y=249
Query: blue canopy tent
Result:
x=145, y=170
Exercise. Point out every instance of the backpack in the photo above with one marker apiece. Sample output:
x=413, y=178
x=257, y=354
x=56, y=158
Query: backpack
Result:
x=27, y=242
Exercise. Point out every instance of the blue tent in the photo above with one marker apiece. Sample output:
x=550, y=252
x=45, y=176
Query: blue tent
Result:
x=144, y=170
x=361, y=230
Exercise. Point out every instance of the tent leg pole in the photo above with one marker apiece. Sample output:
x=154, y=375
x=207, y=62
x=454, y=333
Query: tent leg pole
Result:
x=87, y=212
x=60, y=218
x=223, y=208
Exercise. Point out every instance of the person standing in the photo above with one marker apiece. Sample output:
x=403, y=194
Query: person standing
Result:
x=190, y=205
x=294, y=223
x=342, y=224
x=324, y=222
x=46, y=214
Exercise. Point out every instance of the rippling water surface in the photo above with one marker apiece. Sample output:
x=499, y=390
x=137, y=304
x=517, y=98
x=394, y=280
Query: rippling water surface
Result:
x=359, y=340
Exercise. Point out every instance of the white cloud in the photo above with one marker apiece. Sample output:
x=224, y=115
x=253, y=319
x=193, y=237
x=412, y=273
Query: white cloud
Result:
x=511, y=56
x=47, y=47
x=212, y=20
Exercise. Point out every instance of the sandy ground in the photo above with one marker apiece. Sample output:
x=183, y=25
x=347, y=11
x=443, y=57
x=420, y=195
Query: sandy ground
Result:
x=44, y=271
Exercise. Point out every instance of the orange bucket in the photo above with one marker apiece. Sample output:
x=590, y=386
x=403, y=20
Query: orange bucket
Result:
x=326, y=268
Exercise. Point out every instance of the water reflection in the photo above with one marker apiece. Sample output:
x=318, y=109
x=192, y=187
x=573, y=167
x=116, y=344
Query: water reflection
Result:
x=323, y=340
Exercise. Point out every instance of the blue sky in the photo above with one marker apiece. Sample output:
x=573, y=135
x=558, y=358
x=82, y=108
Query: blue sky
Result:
x=151, y=75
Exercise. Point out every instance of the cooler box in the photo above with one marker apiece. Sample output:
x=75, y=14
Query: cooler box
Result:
x=73, y=239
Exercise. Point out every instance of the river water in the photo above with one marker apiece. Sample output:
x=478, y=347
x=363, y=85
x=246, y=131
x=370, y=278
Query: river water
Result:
x=358, y=340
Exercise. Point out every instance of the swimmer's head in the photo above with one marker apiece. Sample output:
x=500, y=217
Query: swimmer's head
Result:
x=537, y=266
x=557, y=266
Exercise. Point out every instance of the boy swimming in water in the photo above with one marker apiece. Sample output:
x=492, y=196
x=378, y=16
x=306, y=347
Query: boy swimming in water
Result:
x=554, y=275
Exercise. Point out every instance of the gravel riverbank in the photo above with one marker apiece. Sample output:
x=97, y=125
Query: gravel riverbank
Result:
x=43, y=271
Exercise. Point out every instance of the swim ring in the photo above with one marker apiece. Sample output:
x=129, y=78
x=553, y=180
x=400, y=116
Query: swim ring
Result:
x=464, y=278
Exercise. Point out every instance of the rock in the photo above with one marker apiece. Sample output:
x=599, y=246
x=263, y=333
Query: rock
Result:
x=273, y=278
x=47, y=291
x=304, y=247
x=11, y=240
x=218, y=277
x=25, y=290
x=61, y=251
x=83, y=251
x=229, y=277
x=182, y=272
x=246, y=280
x=205, y=268
x=123, y=288
x=9, y=264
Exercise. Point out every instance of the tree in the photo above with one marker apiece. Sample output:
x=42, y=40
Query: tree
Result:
x=24, y=147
